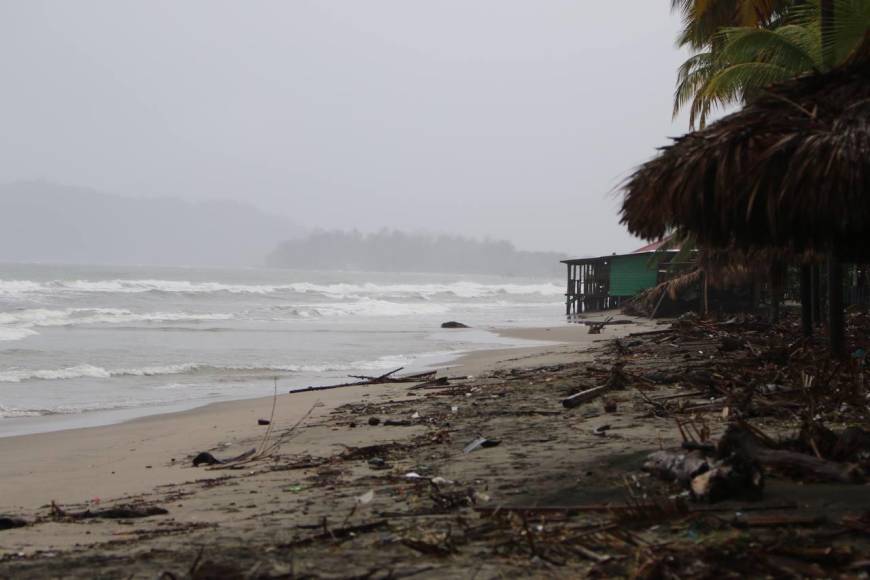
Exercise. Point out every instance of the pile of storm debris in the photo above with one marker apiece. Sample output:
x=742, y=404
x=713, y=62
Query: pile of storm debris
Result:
x=745, y=370
x=745, y=375
x=751, y=403
x=771, y=430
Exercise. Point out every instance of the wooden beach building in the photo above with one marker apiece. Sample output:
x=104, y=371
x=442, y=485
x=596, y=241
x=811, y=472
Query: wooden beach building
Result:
x=604, y=282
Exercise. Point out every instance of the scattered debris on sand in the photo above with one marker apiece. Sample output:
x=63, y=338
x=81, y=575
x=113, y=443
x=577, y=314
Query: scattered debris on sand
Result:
x=704, y=449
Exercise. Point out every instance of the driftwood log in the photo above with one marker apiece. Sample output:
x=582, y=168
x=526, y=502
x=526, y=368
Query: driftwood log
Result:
x=677, y=465
x=708, y=478
x=118, y=512
x=733, y=468
x=740, y=441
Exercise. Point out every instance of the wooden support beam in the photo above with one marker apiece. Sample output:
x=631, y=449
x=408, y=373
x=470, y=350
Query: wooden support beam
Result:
x=705, y=306
x=777, y=283
x=568, y=293
x=836, y=319
x=807, y=300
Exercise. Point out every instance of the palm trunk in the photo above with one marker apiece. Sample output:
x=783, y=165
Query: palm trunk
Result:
x=835, y=270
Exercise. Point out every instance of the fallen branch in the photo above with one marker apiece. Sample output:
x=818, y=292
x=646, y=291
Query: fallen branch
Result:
x=380, y=378
x=738, y=440
x=578, y=399
x=366, y=380
x=336, y=534
x=118, y=512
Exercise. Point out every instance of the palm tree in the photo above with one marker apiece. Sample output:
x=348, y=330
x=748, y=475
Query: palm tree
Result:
x=739, y=62
x=702, y=19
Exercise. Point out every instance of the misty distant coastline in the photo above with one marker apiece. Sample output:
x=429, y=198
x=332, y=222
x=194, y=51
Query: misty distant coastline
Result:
x=48, y=223
x=43, y=222
x=397, y=251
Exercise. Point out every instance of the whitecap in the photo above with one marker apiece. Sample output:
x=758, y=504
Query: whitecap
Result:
x=10, y=334
x=462, y=289
x=18, y=324
x=75, y=372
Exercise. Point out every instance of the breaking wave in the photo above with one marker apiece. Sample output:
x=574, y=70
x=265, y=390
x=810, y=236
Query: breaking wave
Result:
x=364, y=307
x=9, y=334
x=18, y=288
x=85, y=371
x=19, y=324
x=69, y=316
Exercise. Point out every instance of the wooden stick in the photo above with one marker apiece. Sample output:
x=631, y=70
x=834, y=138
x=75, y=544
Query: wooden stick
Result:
x=578, y=399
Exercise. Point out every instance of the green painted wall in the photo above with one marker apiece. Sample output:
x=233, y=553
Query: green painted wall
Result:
x=632, y=273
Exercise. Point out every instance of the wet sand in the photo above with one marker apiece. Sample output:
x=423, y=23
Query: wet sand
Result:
x=96, y=463
x=380, y=481
x=148, y=462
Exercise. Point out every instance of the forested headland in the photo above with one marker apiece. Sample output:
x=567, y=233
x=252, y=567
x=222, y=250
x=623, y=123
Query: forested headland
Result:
x=397, y=251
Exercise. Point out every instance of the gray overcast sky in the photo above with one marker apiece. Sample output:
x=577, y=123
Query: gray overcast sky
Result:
x=508, y=118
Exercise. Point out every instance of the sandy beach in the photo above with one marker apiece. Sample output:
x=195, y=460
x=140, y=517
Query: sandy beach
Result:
x=110, y=462
x=482, y=476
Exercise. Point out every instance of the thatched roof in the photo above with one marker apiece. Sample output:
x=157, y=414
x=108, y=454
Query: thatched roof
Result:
x=790, y=170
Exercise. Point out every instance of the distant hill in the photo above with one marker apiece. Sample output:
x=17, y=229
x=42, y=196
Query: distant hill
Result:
x=395, y=251
x=45, y=222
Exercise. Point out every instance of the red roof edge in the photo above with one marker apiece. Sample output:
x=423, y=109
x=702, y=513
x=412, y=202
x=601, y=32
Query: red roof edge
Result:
x=656, y=246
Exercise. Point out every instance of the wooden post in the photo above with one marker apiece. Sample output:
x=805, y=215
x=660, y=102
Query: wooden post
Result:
x=807, y=300
x=836, y=321
x=706, y=312
x=775, y=301
x=816, y=295
x=756, y=295
x=568, y=296
x=777, y=282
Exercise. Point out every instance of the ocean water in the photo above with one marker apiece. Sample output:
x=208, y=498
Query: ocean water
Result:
x=93, y=345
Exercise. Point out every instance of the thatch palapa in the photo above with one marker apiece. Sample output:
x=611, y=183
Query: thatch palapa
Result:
x=791, y=170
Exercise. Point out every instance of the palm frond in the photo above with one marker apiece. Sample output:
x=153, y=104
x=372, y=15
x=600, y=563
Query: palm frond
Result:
x=734, y=83
x=691, y=76
x=792, y=47
x=851, y=24
x=849, y=27
x=703, y=18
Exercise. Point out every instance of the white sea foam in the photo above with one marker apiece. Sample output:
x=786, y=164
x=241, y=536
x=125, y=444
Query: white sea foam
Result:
x=10, y=334
x=18, y=288
x=14, y=288
x=76, y=372
x=19, y=324
x=70, y=316
x=101, y=405
x=84, y=371
x=9, y=412
x=366, y=307
x=427, y=291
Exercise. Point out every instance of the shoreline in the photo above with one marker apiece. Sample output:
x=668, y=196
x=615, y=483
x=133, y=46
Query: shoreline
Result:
x=52, y=423
x=448, y=479
x=137, y=455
